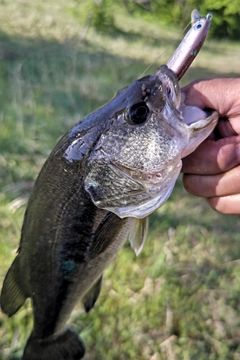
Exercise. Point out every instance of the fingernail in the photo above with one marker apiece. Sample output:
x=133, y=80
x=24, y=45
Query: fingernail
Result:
x=238, y=151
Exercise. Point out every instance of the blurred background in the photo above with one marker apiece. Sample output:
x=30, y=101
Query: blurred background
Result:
x=60, y=60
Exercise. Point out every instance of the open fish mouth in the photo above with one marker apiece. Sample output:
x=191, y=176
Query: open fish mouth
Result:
x=193, y=114
x=175, y=98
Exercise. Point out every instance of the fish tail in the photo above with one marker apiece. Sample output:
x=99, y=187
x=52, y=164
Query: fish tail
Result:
x=67, y=346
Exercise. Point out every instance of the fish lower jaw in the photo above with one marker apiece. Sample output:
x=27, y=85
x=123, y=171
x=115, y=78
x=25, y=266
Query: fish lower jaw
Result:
x=153, y=195
x=192, y=114
x=140, y=211
x=145, y=177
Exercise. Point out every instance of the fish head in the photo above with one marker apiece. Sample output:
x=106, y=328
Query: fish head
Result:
x=134, y=164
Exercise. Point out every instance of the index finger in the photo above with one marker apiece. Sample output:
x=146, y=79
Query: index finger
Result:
x=213, y=157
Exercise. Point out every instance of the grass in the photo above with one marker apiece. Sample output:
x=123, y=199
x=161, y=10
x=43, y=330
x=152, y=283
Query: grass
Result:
x=180, y=298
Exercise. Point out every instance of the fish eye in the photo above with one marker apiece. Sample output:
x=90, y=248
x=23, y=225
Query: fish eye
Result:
x=138, y=113
x=198, y=26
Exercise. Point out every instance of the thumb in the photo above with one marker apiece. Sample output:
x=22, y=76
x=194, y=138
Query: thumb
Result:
x=218, y=94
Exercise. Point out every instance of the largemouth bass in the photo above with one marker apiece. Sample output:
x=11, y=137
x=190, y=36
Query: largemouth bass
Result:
x=95, y=191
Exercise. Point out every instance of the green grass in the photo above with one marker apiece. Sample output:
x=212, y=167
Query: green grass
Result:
x=180, y=298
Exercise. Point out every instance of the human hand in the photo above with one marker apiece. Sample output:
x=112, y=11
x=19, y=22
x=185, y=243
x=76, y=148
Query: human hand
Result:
x=213, y=169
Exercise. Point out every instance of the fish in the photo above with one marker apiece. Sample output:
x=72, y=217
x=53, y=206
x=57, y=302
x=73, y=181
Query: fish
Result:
x=94, y=192
x=191, y=44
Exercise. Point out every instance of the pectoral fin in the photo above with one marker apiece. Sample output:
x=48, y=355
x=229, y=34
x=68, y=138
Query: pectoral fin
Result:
x=108, y=239
x=108, y=232
x=12, y=295
x=138, y=234
x=91, y=296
